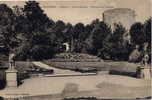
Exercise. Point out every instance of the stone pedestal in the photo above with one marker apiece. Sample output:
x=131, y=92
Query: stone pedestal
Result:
x=145, y=73
x=11, y=78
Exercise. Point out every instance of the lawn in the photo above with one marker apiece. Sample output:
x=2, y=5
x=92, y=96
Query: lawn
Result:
x=120, y=68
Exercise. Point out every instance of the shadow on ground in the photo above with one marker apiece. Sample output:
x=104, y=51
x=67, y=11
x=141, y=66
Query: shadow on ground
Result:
x=131, y=74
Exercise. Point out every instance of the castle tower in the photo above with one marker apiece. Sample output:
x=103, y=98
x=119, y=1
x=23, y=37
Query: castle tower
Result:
x=124, y=16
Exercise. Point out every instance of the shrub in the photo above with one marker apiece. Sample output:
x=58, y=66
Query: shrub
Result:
x=40, y=52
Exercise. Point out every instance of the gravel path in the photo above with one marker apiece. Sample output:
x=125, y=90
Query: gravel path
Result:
x=58, y=72
x=97, y=85
x=104, y=86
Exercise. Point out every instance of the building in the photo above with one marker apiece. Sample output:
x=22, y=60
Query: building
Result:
x=124, y=16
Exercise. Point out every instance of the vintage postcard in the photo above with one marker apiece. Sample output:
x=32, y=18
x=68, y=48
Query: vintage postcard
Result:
x=75, y=50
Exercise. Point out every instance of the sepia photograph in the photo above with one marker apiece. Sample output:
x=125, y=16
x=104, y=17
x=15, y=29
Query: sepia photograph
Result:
x=75, y=50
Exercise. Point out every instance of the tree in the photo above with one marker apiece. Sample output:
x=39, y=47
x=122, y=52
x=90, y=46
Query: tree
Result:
x=68, y=35
x=7, y=27
x=100, y=32
x=21, y=22
x=120, y=50
x=78, y=34
x=34, y=28
x=58, y=29
x=141, y=35
x=114, y=46
x=36, y=16
x=88, y=39
x=137, y=34
x=147, y=30
x=36, y=21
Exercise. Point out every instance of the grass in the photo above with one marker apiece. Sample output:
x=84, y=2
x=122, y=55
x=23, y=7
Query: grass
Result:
x=24, y=71
x=118, y=68
x=24, y=68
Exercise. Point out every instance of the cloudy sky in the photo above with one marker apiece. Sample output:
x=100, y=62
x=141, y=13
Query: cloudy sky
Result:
x=85, y=11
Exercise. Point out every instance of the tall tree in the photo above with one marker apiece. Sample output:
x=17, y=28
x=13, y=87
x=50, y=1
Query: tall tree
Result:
x=114, y=46
x=100, y=32
x=36, y=30
x=58, y=29
x=78, y=35
x=137, y=34
x=88, y=41
x=147, y=30
x=68, y=34
x=7, y=27
x=119, y=50
x=36, y=16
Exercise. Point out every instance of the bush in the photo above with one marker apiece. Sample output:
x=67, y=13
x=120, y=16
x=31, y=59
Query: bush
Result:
x=40, y=52
x=131, y=74
x=37, y=52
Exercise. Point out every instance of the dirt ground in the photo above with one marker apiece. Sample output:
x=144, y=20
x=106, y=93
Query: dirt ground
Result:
x=101, y=86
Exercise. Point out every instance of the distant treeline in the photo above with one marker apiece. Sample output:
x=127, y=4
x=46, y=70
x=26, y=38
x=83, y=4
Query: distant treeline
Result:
x=30, y=33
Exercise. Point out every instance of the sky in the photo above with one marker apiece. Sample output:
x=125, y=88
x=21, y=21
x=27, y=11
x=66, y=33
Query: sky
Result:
x=85, y=11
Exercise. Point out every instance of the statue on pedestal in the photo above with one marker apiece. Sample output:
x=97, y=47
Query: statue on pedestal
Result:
x=11, y=60
x=144, y=71
x=145, y=60
x=11, y=73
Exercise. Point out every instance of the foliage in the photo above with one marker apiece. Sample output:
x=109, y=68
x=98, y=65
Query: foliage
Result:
x=36, y=26
x=141, y=35
x=100, y=32
x=36, y=17
x=36, y=36
x=147, y=30
x=137, y=33
x=7, y=27
x=114, y=46
x=40, y=52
